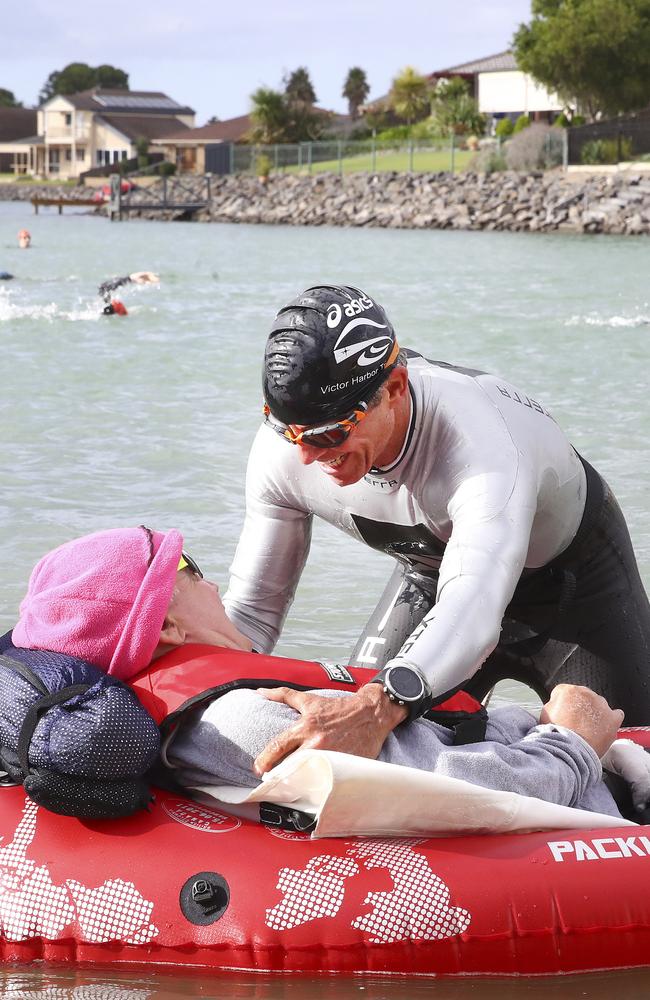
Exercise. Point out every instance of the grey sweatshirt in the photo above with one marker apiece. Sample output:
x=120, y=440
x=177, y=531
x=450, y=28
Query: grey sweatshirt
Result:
x=218, y=744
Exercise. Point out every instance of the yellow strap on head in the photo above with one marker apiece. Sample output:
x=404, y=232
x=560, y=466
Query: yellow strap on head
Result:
x=182, y=564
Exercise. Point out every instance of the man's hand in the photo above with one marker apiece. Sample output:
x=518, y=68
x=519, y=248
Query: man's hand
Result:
x=586, y=713
x=144, y=277
x=356, y=725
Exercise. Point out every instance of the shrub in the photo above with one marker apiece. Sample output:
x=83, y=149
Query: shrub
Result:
x=600, y=151
x=142, y=149
x=538, y=147
x=522, y=122
x=263, y=165
x=166, y=169
x=504, y=128
x=563, y=120
x=488, y=160
x=398, y=133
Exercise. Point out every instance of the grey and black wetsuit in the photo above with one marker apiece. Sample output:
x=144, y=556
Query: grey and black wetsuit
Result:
x=514, y=559
x=107, y=288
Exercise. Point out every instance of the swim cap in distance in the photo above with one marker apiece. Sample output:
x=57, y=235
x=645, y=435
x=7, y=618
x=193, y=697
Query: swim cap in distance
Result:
x=115, y=308
x=328, y=350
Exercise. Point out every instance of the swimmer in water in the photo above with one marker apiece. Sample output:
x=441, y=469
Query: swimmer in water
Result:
x=24, y=239
x=114, y=307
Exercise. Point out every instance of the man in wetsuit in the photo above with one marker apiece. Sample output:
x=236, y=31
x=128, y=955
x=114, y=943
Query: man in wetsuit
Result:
x=494, y=520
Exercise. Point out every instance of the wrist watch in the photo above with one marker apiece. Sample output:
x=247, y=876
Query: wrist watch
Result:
x=406, y=686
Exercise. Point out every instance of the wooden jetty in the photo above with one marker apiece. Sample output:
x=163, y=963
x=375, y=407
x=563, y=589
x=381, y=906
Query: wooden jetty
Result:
x=39, y=200
x=179, y=195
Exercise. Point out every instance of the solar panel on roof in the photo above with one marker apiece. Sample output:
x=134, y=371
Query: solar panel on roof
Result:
x=141, y=103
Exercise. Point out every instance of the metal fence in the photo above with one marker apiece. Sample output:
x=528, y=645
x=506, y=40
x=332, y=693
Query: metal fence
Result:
x=611, y=141
x=342, y=156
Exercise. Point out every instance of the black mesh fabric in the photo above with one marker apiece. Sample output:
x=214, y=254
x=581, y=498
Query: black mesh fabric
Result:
x=89, y=754
x=68, y=796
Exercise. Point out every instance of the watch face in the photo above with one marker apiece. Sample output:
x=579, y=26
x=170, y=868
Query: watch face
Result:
x=405, y=683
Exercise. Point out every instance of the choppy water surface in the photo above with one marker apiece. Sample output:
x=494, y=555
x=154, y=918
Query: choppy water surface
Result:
x=148, y=418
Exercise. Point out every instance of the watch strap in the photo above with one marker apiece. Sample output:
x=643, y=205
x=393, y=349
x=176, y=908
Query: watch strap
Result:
x=415, y=708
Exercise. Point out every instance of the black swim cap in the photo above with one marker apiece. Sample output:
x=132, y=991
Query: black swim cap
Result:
x=328, y=351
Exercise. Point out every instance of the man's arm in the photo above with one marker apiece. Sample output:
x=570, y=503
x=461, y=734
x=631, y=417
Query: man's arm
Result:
x=492, y=517
x=271, y=551
x=136, y=278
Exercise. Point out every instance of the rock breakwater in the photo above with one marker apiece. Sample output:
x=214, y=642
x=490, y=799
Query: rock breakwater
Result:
x=518, y=202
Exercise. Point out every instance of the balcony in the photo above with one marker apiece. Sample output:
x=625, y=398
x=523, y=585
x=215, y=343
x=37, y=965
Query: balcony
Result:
x=66, y=133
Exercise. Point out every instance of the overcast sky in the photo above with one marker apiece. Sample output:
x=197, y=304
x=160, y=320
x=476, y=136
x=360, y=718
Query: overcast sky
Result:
x=213, y=55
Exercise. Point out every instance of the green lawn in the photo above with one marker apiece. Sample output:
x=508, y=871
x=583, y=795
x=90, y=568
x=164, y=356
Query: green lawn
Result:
x=430, y=160
x=22, y=179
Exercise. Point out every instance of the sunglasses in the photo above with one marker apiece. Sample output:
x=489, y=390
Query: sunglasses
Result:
x=185, y=562
x=324, y=436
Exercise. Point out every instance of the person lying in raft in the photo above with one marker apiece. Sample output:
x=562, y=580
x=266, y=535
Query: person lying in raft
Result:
x=122, y=598
x=115, y=307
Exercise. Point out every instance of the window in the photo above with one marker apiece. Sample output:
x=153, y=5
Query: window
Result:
x=68, y=119
x=125, y=154
x=68, y=154
x=99, y=156
x=116, y=155
x=81, y=153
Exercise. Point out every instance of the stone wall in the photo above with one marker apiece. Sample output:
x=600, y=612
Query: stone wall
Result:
x=539, y=202
x=25, y=192
x=534, y=202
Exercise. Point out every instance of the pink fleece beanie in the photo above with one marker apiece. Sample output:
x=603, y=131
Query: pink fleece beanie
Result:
x=102, y=598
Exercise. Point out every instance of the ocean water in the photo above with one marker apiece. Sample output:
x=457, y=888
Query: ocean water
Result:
x=109, y=421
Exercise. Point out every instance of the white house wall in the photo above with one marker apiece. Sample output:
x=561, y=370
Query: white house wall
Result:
x=511, y=91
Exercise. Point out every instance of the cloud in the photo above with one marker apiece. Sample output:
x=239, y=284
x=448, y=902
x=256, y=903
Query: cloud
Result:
x=215, y=55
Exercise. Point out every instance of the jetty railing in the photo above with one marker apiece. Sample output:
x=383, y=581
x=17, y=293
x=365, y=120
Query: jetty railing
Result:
x=184, y=194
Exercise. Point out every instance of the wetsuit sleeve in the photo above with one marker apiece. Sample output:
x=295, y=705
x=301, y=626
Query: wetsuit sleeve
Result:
x=491, y=514
x=271, y=552
x=109, y=286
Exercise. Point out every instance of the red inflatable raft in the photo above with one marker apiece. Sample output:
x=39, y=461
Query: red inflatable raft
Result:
x=189, y=884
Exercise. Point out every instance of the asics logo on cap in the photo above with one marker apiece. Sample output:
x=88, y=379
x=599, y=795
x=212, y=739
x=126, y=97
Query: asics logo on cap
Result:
x=335, y=312
x=374, y=350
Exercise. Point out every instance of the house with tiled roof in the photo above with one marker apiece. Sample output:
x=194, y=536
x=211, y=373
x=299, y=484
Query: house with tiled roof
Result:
x=192, y=149
x=203, y=150
x=15, y=125
x=99, y=128
x=502, y=89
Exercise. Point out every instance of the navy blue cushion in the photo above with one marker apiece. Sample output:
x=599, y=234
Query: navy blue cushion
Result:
x=102, y=735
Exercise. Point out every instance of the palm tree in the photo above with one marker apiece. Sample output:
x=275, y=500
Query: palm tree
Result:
x=409, y=95
x=355, y=90
x=269, y=116
x=298, y=87
x=454, y=110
